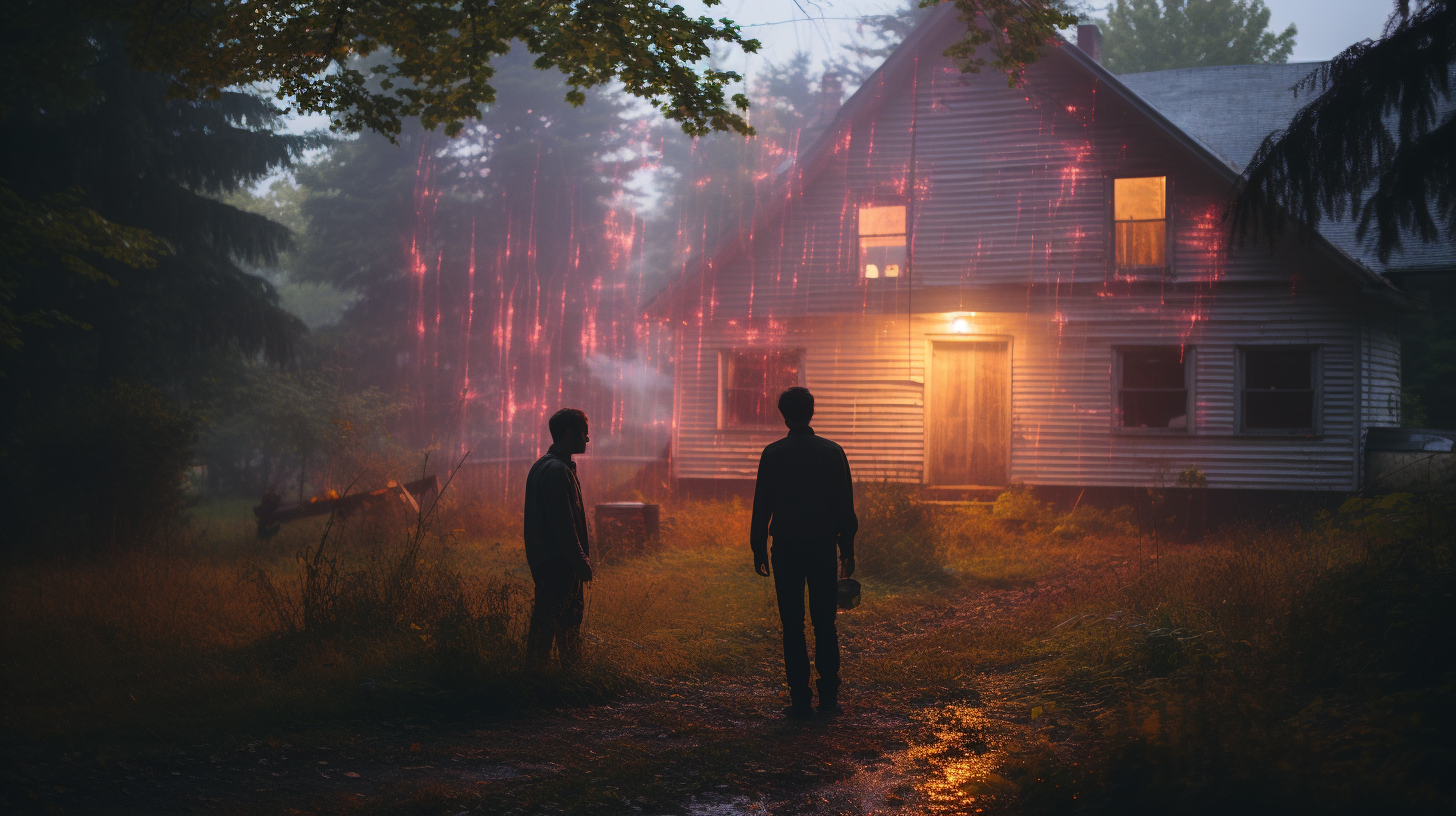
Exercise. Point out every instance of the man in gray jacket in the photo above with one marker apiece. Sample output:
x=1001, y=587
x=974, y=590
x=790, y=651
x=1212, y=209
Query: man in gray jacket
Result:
x=557, y=549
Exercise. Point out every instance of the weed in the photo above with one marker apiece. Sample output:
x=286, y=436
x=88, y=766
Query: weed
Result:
x=898, y=539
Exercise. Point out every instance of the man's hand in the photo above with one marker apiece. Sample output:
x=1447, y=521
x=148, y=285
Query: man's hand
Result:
x=846, y=567
x=584, y=571
x=761, y=567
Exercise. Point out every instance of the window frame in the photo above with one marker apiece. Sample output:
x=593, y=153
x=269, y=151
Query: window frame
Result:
x=1316, y=376
x=1139, y=272
x=724, y=355
x=858, y=258
x=1190, y=378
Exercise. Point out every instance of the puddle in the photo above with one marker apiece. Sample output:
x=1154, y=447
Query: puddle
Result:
x=726, y=806
x=954, y=772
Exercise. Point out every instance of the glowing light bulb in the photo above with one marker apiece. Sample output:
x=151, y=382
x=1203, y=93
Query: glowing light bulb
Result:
x=960, y=326
x=872, y=271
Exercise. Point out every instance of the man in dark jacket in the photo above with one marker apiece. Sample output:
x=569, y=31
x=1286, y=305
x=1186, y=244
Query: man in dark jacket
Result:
x=557, y=549
x=804, y=498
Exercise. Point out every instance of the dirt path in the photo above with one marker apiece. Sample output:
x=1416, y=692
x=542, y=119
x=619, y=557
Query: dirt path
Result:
x=679, y=748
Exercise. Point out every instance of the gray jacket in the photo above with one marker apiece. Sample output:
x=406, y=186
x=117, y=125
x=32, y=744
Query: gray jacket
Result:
x=555, y=524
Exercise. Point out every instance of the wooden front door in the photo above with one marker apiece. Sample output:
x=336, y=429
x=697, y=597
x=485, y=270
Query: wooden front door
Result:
x=968, y=413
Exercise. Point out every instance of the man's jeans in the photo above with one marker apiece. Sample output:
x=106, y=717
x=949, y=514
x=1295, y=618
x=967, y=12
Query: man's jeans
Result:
x=815, y=564
x=556, y=616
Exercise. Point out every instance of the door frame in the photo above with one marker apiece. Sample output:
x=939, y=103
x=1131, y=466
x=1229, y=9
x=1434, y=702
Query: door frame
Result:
x=930, y=341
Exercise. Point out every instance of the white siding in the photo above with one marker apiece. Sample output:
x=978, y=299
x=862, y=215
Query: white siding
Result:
x=867, y=373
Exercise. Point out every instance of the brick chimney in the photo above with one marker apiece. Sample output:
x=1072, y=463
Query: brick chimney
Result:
x=831, y=96
x=1089, y=39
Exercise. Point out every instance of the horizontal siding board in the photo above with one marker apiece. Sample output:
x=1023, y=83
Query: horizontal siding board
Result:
x=867, y=372
x=1010, y=221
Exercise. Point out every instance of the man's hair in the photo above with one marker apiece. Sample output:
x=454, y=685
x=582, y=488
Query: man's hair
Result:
x=797, y=405
x=565, y=420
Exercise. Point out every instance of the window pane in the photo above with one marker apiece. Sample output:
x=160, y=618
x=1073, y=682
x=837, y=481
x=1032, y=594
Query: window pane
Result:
x=1279, y=410
x=881, y=257
x=1139, y=199
x=882, y=220
x=1155, y=409
x=1153, y=367
x=1141, y=243
x=1278, y=368
x=755, y=379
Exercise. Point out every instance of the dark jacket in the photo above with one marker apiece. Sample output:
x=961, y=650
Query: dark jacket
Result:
x=804, y=494
x=555, y=528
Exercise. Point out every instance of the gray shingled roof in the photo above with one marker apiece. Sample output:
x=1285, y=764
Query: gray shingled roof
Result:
x=1231, y=108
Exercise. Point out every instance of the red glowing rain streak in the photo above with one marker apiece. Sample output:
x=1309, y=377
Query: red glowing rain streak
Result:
x=571, y=330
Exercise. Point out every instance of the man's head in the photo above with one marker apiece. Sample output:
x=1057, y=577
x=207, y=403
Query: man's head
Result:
x=569, y=430
x=797, y=406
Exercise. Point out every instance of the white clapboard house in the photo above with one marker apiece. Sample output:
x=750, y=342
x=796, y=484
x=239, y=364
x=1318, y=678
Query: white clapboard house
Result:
x=986, y=285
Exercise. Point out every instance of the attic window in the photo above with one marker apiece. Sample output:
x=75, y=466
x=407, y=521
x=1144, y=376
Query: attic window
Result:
x=750, y=383
x=1153, y=387
x=1140, y=223
x=881, y=241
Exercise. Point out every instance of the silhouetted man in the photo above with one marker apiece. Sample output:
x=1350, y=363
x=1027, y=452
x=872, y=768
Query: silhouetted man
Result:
x=556, y=543
x=805, y=500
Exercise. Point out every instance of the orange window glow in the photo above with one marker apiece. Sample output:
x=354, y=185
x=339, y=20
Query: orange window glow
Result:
x=881, y=241
x=1140, y=221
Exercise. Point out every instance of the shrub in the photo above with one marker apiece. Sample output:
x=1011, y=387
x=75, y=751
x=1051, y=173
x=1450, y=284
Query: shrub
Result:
x=107, y=473
x=898, y=538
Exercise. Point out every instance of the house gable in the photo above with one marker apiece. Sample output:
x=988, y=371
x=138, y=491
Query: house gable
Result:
x=1012, y=187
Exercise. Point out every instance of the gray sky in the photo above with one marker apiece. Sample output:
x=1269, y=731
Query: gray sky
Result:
x=1326, y=27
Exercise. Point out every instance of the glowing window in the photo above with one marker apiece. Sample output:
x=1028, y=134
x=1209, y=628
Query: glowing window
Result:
x=1140, y=222
x=1153, y=387
x=752, y=380
x=881, y=242
x=1278, y=389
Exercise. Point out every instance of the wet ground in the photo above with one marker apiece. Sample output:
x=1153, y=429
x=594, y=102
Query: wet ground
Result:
x=681, y=748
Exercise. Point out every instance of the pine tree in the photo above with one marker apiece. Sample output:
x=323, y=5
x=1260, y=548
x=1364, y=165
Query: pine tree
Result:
x=1376, y=141
x=527, y=196
x=162, y=294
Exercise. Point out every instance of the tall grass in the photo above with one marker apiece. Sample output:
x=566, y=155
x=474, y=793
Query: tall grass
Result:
x=1268, y=669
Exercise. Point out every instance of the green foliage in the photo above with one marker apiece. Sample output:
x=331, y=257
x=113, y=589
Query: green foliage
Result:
x=105, y=472
x=1015, y=30
x=318, y=304
x=1428, y=354
x=1158, y=35
x=373, y=66
x=1018, y=503
x=106, y=183
x=1377, y=141
x=58, y=232
x=277, y=430
x=898, y=536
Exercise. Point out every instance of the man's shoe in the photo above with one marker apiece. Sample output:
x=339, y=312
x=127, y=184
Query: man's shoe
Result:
x=799, y=711
x=829, y=708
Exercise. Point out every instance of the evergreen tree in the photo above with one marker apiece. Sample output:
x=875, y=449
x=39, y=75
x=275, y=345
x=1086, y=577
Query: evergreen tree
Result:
x=877, y=36
x=1377, y=140
x=493, y=271
x=1159, y=35
x=140, y=329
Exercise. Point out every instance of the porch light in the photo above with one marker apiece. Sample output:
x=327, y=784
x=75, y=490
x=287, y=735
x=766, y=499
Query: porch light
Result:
x=960, y=325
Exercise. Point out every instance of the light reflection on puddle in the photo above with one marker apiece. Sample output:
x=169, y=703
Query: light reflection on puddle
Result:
x=954, y=773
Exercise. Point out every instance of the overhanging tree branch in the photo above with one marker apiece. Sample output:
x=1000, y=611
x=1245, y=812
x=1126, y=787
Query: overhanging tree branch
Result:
x=1368, y=145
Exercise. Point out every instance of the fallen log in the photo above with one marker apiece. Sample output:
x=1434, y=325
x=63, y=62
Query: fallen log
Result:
x=272, y=514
